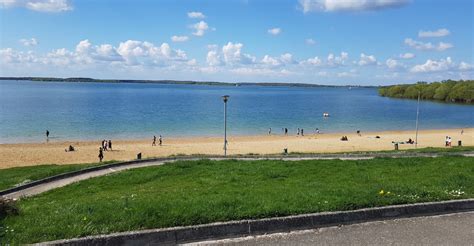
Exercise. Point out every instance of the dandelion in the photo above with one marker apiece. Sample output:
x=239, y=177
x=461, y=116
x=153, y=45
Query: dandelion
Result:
x=381, y=192
x=84, y=219
x=388, y=192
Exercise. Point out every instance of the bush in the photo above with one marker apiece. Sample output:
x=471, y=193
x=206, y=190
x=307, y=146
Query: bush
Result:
x=8, y=207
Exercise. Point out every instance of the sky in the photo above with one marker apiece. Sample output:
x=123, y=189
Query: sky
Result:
x=335, y=42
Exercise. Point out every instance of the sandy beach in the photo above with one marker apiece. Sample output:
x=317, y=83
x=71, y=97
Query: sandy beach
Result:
x=27, y=154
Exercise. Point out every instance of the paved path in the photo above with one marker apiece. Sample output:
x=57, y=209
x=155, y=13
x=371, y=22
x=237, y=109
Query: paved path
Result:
x=63, y=182
x=450, y=229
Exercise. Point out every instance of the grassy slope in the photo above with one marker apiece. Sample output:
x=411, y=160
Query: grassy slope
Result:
x=13, y=176
x=186, y=193
x=17, y=175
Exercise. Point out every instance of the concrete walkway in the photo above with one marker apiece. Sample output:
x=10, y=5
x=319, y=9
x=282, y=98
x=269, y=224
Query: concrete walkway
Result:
x=97, y=173
x=40, y=188
x=449, y=229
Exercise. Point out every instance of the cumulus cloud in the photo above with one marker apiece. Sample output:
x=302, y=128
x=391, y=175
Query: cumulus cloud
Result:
x=463, y=66
x=232, y=54
x=434, y=34
x=441, y=46
x=29, y=41
x=39, y=5
x=334, y=60
x=196, y=15
x=284, y=59
x=393, y=64
x=274, y=31
x=127, y=54
x=200, y=28
x=407, y=56
x=367, y=60
x=348, y=5
x=434, y=66
x=179, y=38
x=315, y=61
x=310, y=41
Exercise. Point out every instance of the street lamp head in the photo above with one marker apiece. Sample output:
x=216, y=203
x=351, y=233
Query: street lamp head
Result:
x=225, y=98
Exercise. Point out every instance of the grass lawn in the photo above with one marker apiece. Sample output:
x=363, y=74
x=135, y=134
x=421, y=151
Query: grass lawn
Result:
x=196, y=192
x=18, y=175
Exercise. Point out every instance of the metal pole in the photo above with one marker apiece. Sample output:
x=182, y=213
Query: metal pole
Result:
x=417, y=114
x=225, y=128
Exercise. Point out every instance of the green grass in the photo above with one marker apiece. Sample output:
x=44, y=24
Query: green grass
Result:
x=196, y=192
x=11, y=177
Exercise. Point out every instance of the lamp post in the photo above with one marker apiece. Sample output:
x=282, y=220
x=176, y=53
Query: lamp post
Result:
x=417, y=114
x=225, y=98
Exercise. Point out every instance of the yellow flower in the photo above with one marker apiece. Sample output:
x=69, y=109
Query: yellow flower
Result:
x=381, y=192
x=388, y=192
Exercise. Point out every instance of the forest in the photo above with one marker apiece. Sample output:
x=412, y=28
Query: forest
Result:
x=461, y=91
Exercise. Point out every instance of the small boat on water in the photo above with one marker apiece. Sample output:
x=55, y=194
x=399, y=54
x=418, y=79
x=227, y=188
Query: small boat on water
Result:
x=325, y=114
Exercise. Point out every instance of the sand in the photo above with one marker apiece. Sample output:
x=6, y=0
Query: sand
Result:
x=28, y=154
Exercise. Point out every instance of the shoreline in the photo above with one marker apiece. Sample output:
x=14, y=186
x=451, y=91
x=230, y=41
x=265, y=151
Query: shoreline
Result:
x=28, y=154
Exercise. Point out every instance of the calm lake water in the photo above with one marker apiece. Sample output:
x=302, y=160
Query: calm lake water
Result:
x=91, y=111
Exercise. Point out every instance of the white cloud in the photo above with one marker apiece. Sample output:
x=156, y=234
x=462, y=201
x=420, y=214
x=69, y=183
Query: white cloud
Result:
x=39, y=5
x=310, y=41
x=196, y=15
x=348, y=5
x=367, y=60
x=213, y=58
x=179, y=38
x=434, y=66
x=11, y=56
x=463, y=66
x=434, y=34
x=313, y=61
x=407, y=56
x=274, y=31
x=284, y=59
x=200, y=28
x=393, y=64
x=29, y=41
x=232, y=54
x=427, y=46
x=333, y=60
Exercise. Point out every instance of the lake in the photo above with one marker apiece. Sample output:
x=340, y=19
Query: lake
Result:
x=92, y=111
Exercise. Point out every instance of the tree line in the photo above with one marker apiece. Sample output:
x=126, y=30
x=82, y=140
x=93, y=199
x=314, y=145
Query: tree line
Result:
x=461, y=91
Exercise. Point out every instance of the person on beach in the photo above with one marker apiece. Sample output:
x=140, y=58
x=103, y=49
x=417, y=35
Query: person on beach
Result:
x=302, y=132
x=449, y=141
x=298, y=132
x=462, y=131
x=110, y=144
x=446, y=141
x=104, y=145
x=286, y=131
x=317, y=130
x=101, y=154
x=160, y=140
x=358, y=133
x=270, y=131
x=154, y=141
x=47, y=134
x=70, y=148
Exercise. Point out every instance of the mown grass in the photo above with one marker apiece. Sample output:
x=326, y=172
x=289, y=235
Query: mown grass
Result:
x=196, y=192
x=11, y=177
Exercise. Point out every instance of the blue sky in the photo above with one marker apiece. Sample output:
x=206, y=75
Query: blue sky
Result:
x=367, y=42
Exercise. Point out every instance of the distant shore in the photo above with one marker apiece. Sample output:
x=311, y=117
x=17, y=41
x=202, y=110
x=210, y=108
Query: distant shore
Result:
x=28, y=154
x=174, y=82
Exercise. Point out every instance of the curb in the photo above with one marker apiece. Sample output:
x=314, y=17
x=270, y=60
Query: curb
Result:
x=243, y=228
x=180, y=158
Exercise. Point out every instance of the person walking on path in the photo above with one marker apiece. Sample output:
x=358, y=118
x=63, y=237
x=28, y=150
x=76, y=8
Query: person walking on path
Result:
x=154, y=141
x=160, y=140
x=110, y=144
x=101, y=154
x=104, y=145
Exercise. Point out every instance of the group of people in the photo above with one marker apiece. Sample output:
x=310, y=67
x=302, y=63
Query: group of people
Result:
x=299, y=131
x=344, y=138
x=160, y=141
x=106, y=146
x=447, y=141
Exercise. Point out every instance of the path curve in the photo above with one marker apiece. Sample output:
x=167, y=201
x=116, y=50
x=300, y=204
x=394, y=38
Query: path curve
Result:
x=38, y=187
